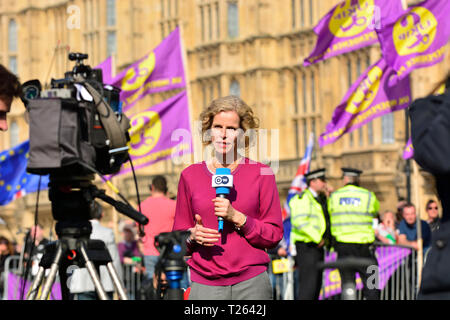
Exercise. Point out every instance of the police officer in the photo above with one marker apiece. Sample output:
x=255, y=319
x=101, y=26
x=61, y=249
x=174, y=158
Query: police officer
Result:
x=308, y=220
x=352, y=210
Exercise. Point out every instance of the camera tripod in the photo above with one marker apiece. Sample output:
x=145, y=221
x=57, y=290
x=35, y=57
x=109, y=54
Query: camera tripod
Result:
x=59, y=255
x=71, y=204
x=172, y=247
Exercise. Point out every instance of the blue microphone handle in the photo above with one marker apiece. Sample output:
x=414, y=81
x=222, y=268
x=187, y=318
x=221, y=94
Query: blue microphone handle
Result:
x=220, y=219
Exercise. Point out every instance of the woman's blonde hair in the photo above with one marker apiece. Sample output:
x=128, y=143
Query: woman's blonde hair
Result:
x=247, y=119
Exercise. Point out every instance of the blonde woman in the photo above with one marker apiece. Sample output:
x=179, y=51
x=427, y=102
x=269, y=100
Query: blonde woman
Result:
x=231, y=264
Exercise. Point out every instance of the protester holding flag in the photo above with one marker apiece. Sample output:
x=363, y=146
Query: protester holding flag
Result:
x=231, y=264
x=309, y=225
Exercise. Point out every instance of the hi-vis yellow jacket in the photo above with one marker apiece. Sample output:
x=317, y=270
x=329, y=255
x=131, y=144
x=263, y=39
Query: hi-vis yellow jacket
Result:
x=307, y=218
x=352, y=209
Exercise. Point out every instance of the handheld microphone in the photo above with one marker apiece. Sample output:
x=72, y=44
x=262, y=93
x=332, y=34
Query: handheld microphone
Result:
x=223, y=182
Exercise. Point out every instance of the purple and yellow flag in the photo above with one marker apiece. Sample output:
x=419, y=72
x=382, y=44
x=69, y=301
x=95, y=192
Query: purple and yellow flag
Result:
x=351, y=25
x=408, y=152
x=160, y=132
x=369, y=97
x=160, y=70
x=418, y=38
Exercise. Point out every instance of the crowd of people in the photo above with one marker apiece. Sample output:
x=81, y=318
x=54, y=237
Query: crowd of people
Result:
x=401, y=229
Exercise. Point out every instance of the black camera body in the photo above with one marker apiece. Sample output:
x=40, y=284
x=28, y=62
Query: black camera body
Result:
x=76, y=124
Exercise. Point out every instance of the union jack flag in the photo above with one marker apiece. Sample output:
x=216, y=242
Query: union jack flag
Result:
x=297, y=186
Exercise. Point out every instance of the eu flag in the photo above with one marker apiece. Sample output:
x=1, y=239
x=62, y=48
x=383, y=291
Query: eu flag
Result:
x=15, y=182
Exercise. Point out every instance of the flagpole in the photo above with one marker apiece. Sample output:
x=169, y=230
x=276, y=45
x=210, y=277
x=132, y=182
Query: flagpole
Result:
x=187, y=81
x=408, y=161
x=113, y=66
x=416, y=195
x=404, y=4
x=418, y=225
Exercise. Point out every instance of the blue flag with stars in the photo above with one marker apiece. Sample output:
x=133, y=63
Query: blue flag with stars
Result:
x=15, y=182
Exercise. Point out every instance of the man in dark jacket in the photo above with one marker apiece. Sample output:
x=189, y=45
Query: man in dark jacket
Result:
x=430, y=133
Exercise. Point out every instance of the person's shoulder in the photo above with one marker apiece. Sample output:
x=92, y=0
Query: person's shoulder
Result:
x=297, y=196
x=402, y=225
x=104, y=229
x=193, y=169
x=425, y=225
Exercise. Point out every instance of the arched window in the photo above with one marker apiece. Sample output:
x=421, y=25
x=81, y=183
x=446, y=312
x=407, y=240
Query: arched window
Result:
x=111, y=43
x=387, y=128
x=12, y=64
x=233, y=19
x=14, y=134
x=12, y=36
x=235, y=88
x=111, y=13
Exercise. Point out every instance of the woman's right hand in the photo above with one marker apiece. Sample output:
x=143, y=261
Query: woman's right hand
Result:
x=203, y=236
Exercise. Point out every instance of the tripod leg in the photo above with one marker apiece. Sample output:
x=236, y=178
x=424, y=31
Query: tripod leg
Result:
x=32, y=294
x=117, y=283
x=52, y=275
x=93, y=273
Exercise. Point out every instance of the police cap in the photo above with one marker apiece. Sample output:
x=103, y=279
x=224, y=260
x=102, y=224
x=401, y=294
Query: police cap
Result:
x=351, y=172
x=316, y=174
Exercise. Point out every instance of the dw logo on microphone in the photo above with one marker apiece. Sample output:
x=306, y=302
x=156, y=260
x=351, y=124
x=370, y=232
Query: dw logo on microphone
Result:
x=222, y=181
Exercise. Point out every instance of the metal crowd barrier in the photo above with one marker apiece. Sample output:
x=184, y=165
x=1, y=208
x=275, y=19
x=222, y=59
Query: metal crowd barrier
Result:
x=14, y=286
x=403, y=283
x=9, y=290
x=132, y=281
x=12, y=282
x=397, y=271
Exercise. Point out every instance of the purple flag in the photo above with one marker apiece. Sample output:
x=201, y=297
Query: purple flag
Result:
x=351, y=25
x=16, y=284
x=160, y=132
x=369, y=97
x=418, y=38
x=408, y=152
x=106, y=67
x=160, y=70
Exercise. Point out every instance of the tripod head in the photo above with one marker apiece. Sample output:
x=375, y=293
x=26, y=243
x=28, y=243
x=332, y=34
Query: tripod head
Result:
x=72, y=198
x=172, y=248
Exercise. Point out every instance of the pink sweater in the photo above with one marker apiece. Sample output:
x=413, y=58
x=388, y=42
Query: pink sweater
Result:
x=238, y=255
